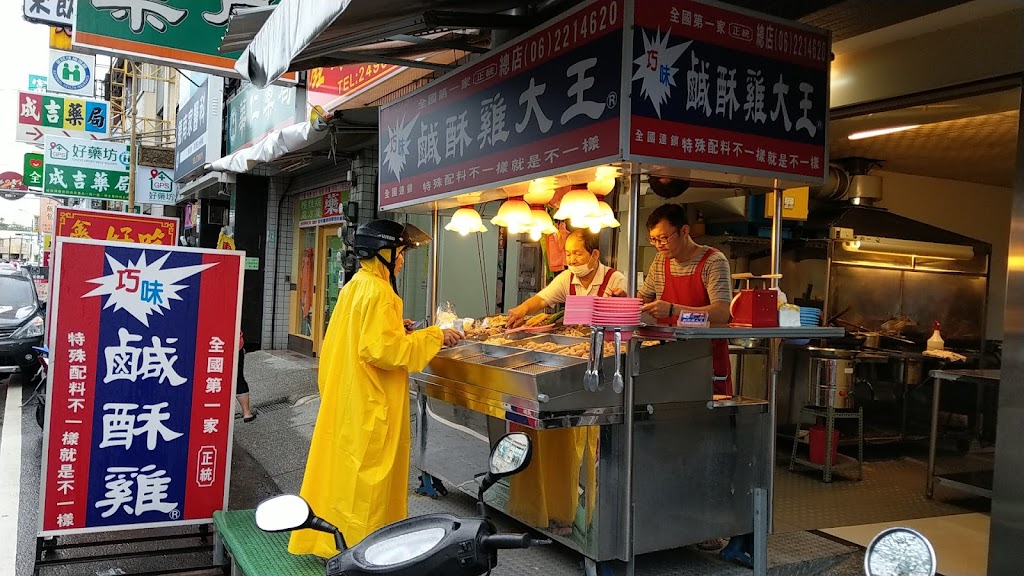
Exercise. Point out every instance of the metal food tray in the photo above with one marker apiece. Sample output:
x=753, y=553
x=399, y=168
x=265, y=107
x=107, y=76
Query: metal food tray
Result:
x=556, y=339
x=479, y=352
x=533, y=362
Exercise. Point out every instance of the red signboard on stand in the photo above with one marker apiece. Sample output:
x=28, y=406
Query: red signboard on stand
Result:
x=143, y=350
x=721, y=89
x=115, y=226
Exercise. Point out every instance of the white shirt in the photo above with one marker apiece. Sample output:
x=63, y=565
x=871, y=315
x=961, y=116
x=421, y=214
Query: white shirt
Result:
x=558, y=290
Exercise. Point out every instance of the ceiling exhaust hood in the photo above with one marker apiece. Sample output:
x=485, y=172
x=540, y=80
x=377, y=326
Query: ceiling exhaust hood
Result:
x=897, y=247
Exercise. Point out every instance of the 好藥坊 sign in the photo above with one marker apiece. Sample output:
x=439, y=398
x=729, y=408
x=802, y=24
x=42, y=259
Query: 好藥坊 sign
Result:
x=74, y=168
x=540, y=105
x=717, y=88
x=143, y=347
x=197, y=130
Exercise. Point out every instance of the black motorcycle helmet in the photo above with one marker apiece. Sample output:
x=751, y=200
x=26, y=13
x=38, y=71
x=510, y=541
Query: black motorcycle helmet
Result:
x=378, y=235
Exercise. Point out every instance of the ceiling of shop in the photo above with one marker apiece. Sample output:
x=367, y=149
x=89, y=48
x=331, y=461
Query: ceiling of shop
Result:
x=970, y=139
x=849, y=18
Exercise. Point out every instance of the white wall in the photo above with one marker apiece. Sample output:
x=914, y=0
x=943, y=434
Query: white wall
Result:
x=975, y=210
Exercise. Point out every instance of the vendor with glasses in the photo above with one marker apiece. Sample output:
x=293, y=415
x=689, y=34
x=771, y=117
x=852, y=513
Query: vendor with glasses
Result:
x=688, y=277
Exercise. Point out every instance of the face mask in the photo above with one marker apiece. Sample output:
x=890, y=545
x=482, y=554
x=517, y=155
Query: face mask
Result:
x=580, y=270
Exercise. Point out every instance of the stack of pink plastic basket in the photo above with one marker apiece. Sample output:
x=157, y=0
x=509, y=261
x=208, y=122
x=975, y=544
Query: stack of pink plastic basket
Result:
x=578, y=310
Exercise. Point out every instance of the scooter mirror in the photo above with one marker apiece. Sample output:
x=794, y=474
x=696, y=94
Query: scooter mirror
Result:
x=284, y=512
x=901, y=551
x=510, y=455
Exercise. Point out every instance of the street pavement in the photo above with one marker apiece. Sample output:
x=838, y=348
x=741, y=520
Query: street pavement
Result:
x=268, y=457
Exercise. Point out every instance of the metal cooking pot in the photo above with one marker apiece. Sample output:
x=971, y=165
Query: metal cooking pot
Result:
x=745, y=342
x=908, y=371
x=831, y=377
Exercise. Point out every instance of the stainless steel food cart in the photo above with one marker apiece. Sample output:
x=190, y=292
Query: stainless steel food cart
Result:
x=701, y=464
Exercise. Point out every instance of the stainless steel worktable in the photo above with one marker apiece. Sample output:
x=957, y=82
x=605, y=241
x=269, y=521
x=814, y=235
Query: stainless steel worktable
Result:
x=975, y=482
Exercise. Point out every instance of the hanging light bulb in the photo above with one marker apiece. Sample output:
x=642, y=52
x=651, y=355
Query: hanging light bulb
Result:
x=577, y=203
x=541, y=191
x=466, y=220
x=513, y=214
x=604, y=217
x=542, y=224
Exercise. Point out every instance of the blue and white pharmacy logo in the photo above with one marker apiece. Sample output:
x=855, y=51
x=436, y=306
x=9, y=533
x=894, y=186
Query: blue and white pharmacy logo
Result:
x=656, y=68
x=71, y=72
x=141, y=288
x=125, y=158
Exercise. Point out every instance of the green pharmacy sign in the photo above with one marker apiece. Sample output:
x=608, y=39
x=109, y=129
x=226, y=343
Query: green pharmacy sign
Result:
x=78, y=168
x=181, y=33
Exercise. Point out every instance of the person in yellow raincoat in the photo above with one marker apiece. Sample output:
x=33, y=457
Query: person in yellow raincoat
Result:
x=357, y=473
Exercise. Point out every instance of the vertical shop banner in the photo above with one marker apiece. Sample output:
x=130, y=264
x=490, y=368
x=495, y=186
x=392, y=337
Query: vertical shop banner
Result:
x=541, y=105
x=324, y=206
x=77, y=168
x=717, y=88
x=252, y=113
x=198, y=130
x=32, y=173
x=41, y=115
x=53, y=12
x=115, y=226
x=143, y=349
x=182, y=34
x=71, y=73
x=47, y=216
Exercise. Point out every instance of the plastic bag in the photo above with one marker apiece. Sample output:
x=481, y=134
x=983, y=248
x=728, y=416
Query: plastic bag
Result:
x=447, y=319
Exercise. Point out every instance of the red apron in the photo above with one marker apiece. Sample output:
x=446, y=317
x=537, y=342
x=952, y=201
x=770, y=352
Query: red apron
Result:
x=690, y=291
x=600, y=291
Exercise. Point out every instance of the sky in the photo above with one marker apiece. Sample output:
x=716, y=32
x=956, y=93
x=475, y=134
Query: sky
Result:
x=26, y=52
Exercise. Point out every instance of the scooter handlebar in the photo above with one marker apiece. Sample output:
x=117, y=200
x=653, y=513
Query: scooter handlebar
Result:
x=511, y=541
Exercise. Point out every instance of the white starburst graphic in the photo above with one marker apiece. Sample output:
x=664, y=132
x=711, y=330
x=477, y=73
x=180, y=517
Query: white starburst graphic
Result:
x=657, y=68
x=398, y=146
x=142, y=288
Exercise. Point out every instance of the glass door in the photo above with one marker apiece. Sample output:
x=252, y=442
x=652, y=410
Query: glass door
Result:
x=331, y=250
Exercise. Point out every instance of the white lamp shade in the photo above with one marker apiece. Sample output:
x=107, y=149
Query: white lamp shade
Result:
x=577, y=204
x=466, y=221
x=513, y=214
x=542, y=224
x=601, y=186
x=603, y=218
x=541, y=191
x=604, y=172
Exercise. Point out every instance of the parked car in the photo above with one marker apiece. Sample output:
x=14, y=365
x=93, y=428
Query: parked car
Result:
x=21, y=323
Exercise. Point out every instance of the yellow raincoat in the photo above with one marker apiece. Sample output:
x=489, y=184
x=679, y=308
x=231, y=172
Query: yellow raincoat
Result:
x=357, y=474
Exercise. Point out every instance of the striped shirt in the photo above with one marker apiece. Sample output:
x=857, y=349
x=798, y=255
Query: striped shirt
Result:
x=716, y=275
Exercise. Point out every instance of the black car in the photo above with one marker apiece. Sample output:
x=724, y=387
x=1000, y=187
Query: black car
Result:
x=21, y=323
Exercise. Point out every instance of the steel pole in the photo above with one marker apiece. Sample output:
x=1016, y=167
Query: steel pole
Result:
x=435, y=249
x=632, y=230
x=132, y=149
x=774, y=357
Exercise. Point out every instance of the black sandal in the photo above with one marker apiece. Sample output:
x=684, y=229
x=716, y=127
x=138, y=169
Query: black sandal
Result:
x=250, y=418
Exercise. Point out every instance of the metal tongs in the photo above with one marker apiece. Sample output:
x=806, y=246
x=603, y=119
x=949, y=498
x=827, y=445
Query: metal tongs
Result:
x=592, y=377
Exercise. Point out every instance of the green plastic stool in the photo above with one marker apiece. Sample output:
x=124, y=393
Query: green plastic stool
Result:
x=254, y=552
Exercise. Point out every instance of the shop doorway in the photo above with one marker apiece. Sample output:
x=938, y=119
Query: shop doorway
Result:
x=329, y=252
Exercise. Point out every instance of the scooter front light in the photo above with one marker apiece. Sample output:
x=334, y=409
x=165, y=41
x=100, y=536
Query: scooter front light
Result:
x=404, y=547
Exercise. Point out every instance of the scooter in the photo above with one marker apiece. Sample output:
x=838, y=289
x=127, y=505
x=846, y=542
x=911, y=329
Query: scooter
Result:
x=429, y=545
x=39, y=393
